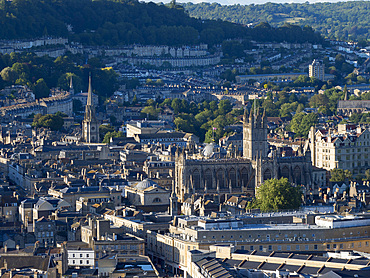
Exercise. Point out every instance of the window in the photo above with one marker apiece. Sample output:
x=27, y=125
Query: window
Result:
x=341, y=246
x=327, y=246
x=270, y=247
x=73, y=255
x=315, y=247
x=81, y=262
x=288, y=247
x=157, y=200
x=279, y=247
x=261, y=248
x=87, y=255
x=334, y=246
x=80, y=255
x=297, y=247
x=87, y=262
x=251, y=248
x=306, y=247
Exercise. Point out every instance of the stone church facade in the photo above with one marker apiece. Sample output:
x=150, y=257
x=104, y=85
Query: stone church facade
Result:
x=237, y=175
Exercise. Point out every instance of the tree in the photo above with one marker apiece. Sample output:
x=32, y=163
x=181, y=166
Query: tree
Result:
x=104, y=129
x=340, y=175
x=150, y=112
x=54, y=122
x=110, y=135
x=301, y=123
x=9, y=75
x=276, y=194
x=41, y=90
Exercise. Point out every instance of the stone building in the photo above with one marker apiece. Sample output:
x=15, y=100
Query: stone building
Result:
x=148, y=196
x=236, y=174
x=346, y=148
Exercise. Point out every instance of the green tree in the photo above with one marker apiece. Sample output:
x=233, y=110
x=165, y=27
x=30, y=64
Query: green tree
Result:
x=150, y=111
x=41, y=90
x=276, y=194
x=340, y=175
x=9, y=75
x=104, y=129
x=301, y=123
x=113, y=134
x=54, y=122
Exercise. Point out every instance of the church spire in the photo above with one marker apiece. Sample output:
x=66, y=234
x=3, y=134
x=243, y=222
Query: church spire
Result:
x=89, y=93
x=90, y=125
x=90, y=109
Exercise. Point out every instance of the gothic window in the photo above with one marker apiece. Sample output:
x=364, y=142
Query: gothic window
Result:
x=208, y=179
x=285, y=172
x=196, y=179
x=232, y=178
x=220, y=179
x=244, y=177
x=267, y=174
x=297, y=175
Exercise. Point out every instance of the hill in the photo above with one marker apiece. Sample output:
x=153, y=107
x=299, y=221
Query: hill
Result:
x=114, y=22
x=341, y=20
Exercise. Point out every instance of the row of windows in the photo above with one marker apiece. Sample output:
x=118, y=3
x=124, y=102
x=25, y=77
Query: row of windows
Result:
x=305, y=247
x=123, y=247
x=267, y=236
x=81, y=255
x=81, y=262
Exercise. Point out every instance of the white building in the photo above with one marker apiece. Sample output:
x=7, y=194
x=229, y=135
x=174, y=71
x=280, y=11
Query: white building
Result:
x=81, y=257
x=317, y=70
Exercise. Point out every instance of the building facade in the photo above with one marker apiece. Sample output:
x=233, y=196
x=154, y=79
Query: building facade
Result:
x=346, y=148
x=317, y=70
x=235, y=174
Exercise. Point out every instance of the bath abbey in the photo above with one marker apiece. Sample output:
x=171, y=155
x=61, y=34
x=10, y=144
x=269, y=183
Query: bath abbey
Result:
x=236, y=173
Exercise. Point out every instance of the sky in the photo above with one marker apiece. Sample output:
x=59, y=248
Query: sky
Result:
x=248, y=2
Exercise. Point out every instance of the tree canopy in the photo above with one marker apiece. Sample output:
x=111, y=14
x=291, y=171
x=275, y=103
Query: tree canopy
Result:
x=54, y=122
x=340, y=20
x=276, y=194
x=119, y=22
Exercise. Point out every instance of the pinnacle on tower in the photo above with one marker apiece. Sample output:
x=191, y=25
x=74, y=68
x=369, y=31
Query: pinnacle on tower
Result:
x=71, y=90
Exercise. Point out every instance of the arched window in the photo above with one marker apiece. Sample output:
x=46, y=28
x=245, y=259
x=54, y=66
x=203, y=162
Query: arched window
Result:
x=285, y=172
x=244, y=177
x=208, y=179
x=267, y=175
x=232, y=178
x=157, y=200
x=220, y=178
x=196, y=179
x=297, y=175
